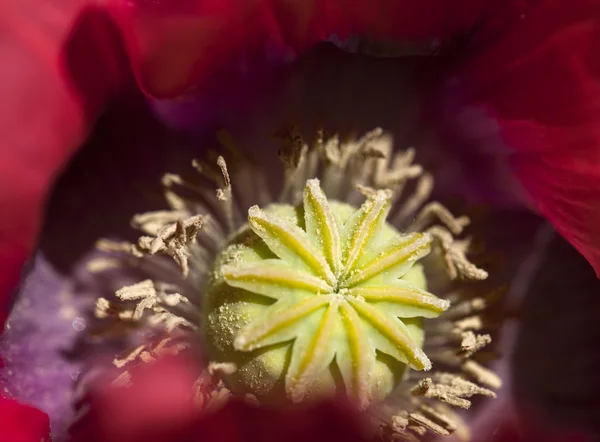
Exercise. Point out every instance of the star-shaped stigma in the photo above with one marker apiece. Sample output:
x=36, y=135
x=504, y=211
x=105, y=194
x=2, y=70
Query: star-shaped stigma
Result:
x=336, y=281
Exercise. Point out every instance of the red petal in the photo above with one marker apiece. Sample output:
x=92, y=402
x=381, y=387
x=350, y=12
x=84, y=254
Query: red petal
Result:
x=541, y=81
x=58, y=66
x=22, y=423
x=175, y=45
x=239, y=422
x=159, y=402
x=158, y=407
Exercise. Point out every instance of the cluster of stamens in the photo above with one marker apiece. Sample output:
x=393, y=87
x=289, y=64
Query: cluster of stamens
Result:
x=321, y=291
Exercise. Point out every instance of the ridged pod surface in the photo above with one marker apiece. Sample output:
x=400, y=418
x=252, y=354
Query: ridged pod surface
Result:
x=320, y=299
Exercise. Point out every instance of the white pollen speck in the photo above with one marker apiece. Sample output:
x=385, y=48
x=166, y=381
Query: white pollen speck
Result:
x=79, y=324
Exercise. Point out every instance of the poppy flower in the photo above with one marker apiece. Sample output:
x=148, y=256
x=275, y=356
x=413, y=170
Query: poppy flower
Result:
x=470, y=100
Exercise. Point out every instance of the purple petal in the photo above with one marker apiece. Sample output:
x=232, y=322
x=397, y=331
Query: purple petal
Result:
x=43, y=325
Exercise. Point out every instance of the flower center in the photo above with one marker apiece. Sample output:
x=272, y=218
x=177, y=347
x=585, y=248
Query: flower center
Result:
x=323, y=297
x=315, y=297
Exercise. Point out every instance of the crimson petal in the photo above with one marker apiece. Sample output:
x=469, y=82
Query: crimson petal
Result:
x=159, y=401
x=541, y=82
x=22, y=423
x=45, y=114
x=175, y=45
x=158, y=407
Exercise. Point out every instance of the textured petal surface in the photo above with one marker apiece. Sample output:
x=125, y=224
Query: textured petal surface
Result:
x=60, y=62
x=175, y=45
x=540, y=85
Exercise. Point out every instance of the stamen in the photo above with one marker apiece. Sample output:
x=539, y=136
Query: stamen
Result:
x=146, y=298
x=225, y=195
x=428, y=423
x=436, y=210
x=440, y=417
x=221, y=368
x=412, y=204
x=472, y=343
x=152, y=223
x=131, y=357
x=466, y=308
x=419, y=429
x=174, y=240
x=293, y=155
x=395, y=176
x=453, y=252
x=141, y=290
x=100, y=265
x=367, y=191
x=450, y=389
x=400, y=422
x=462, y=431
x=469, y=323
x=109, y=246
x=174, y=201
x=106, y=309
x=482, y=374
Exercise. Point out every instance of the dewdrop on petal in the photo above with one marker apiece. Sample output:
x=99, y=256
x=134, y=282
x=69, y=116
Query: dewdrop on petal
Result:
x=321, y=292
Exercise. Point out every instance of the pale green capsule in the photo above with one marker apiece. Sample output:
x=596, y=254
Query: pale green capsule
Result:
x=319, y=299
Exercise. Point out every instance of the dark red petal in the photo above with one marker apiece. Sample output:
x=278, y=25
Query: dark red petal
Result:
x=22, y=423
x=541, y=82
x=158, y=402
x=239, y=422
x=175, y=45
x=58, y=66
x=172, y=44
x=158, y=407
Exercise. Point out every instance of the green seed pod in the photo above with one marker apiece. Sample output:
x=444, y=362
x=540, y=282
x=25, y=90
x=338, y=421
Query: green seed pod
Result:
x=318, y=300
